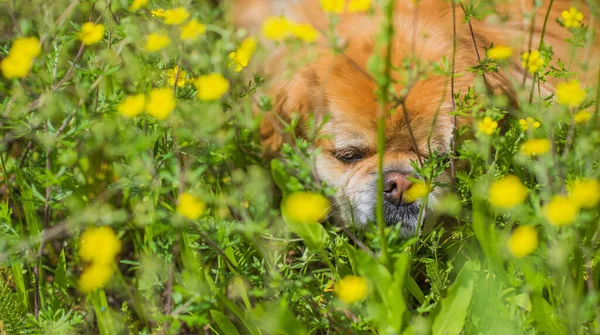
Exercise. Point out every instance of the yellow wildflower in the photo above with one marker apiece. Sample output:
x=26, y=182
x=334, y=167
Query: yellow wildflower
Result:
x=305, y=32
x=499, y=52
x=359, y=5
x=192, y=30
x=158, y=12
x=161, y=103
x=523, y=241
x=535, y=147
x=488, y=125
x=305, y=207
x=172, y=73
x=176, y=16
x=570, y=93
x=351, y=289
x=95, y=277
x=241, y=57
x=560, y=211
x=333, y=6
x=15, y=66
x=529, y=123
x=137, y=4
x=416, y=191
x=91, y=33
x=190, y=206
x=532, y=61
x=26, y=47
x=507, y=192
x=155, y=42
x=132, y=105
x=585, y=193
x=211, y=86
x=582, y=116
x=99, y=245
x=572, y=18
x=276, y=28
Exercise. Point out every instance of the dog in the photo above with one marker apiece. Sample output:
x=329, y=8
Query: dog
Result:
x=338, y=88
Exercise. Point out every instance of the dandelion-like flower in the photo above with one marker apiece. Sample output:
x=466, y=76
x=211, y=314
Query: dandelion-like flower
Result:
x=21, y=57
x=535, y=147
x=276, y=28
x=158, y=13
x=175, y=16
x=359, y=5
x=529, y=123
x=499, y=52
x=161, y=103
x=572, y=18
x=351, y=289
x=333, y=6
x=241, y=57
x=487, y=125
x=156, y=42
x=507, y=192
x=570, y=93
x=99, y=245
x=305, y=32
x=523, y=241
x=533, y=61
x=132, y=105
x=560, y=211
x=211, y=86
x=91, y=33
x=172, y=73
x=138, y=4
x=585, y=193
x=305, y=207
x=190, y=206
x=416, y=191
x=26, y=47
x=192, y=30
x=95, y=277
x=582, y=117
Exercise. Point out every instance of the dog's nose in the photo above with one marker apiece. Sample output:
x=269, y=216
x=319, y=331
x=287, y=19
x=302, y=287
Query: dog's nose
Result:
x=394, y=185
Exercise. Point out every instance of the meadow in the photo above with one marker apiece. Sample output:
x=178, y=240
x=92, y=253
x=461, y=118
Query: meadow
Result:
x=135, y=197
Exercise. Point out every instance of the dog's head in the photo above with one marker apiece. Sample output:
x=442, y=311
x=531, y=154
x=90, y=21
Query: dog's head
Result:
x=338, y=86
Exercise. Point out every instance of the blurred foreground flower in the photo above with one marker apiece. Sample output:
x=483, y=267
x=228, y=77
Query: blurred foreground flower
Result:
x=91, y=33
x=20, y=58
x=305, y=32
x=532, y=61
x=487, y=125
x=95, y=277
x=582, y=116
x=507, y=192
x=351, y=289
x=535, y=147
x=276, y=28
x=572, y=18
x=570, y=94
x=211, y=86
x=192, y=30
x=137, y=4
x=99, y=245
x=359, y=5
x=499, y=52
x=132, y=105
x=156, y=41
x=241, y=57
x=523, y=241
x=26, y=47
x=175, y=16
x=305, y=207
x=161, y=103
x=172, y=74
x=333, y=6
x=585, y=193
x=529, y=123
x=158, y=12
x=560, y=211
x=416, y=191
x=190, y=206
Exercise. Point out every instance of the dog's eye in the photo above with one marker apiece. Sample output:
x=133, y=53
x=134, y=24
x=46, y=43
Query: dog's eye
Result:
x=349, y=156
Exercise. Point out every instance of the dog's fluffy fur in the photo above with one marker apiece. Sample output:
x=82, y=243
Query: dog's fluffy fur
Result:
x=337, y=86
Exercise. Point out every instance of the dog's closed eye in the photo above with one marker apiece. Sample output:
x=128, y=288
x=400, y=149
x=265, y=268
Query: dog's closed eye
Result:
x=349, y=155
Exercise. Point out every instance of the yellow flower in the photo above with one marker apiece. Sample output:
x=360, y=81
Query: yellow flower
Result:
x=161, y=103
x=305, y=207
x=333, y=6
x=95, y=277
x=15, y=66
x=26, y=47
x=99, y=245
x=211, y=86
x=351, y=289
x=190, y=206
x=570, y=94
x=416, y=191
x=507, y=192
x=523, y=241
x=499, y=52
x=172, y=73
x=585, y=193
x=192, y=30
x=582, y=117
x=359, y=5
x=137, y=4
x=488, y=126
x=535, y=147
x=305, y=32
x=560, y=211
x=176, y=16
x=91, y=33
x=276, y=28
x=158, y=12
x=529, y=123
x=241, y=57
x=572, y=18
x=155, y=42
x=132, y=105
x=532, y=61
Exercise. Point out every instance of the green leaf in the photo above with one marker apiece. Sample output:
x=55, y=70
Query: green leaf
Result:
x=60, y=274
x=224, y=323
x=546, y=318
